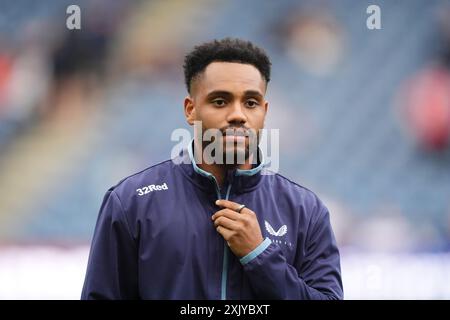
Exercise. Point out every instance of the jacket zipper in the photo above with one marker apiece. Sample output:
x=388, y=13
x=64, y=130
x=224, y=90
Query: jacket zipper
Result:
x=223, y=287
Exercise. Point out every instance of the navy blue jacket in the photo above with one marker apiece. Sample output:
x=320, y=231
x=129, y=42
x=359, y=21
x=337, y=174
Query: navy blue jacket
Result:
x=154, y=239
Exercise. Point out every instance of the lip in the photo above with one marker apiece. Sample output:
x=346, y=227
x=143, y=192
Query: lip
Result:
x=236, y=133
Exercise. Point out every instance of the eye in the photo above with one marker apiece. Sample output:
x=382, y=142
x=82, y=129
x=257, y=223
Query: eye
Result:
x=219, y=102
x=251, y=103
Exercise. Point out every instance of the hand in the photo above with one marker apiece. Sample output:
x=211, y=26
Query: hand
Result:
x=240, y=230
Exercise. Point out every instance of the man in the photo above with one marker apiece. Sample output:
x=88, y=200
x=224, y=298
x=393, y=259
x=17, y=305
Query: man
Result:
x=189, y=228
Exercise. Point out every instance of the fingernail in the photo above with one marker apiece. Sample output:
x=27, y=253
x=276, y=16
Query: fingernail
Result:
x=217, y=202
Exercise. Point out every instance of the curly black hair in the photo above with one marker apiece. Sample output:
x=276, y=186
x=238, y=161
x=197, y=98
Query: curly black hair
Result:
x=225, y=50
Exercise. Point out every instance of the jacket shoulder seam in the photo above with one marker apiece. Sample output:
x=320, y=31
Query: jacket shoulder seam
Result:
x=124, y=215
x=296, y=184
x=139, y=172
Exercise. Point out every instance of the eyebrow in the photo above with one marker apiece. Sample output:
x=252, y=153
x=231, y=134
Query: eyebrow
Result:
x=222, y=93
x=253, y=93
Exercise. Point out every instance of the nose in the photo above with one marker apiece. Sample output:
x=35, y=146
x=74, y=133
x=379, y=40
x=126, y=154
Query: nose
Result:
x=236, y=114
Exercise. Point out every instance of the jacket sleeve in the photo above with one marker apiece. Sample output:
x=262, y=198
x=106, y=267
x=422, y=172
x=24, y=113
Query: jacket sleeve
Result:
x=112, y=265
x=317, y=277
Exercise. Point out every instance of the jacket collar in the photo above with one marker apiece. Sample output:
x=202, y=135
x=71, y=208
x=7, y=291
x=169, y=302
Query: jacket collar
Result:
x=241, y=180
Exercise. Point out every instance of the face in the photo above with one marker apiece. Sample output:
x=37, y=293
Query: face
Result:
x=229, y=97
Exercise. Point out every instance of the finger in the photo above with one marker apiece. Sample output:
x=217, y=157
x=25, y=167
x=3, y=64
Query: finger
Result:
x=233, y=206
x=228, y=204
x=225, y=233
x=227, y=223
x=230, y=214
x=245, y=211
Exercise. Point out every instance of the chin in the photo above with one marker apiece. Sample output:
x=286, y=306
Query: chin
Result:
x=238, y=155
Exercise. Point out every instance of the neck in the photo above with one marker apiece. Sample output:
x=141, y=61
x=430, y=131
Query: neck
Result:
x=219, y=171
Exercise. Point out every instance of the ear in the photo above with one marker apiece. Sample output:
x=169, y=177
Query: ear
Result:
x=189, y=110
x=266, y=107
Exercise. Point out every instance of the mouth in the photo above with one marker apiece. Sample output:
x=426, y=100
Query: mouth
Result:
x=235, y=135
x=235, y=138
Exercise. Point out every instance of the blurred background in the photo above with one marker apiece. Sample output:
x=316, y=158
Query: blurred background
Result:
x=364, y=119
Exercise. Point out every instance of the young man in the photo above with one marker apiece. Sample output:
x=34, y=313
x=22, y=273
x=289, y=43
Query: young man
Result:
x=192, y=228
